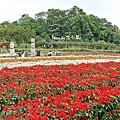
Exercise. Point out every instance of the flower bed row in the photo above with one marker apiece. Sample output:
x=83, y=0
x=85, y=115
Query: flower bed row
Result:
x=62, y=57
x=85, y=91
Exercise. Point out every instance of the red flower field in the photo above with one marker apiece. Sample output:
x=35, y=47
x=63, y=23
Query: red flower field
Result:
x=87, y=91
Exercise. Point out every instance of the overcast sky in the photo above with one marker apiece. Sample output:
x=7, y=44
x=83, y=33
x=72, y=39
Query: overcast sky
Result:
x=11, y=10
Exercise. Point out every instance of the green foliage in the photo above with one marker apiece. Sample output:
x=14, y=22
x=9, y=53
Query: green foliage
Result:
x=72, y=25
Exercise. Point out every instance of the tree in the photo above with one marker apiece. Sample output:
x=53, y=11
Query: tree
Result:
x=60, y=24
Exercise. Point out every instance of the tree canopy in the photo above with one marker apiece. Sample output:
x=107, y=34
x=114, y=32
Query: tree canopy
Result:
x=60, y=25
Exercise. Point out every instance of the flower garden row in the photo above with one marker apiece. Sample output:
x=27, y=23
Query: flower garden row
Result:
x=87, y=91
x=63, y=57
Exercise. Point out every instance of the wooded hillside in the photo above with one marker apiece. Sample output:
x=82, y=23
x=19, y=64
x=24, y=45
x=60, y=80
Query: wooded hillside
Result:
x=72, y=25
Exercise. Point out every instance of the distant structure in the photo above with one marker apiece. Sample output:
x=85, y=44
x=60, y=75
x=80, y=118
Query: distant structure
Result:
x=12, y=50
x=33, y=47
x=4, y=44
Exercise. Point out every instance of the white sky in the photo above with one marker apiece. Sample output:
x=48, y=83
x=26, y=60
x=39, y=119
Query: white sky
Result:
x=11, y=10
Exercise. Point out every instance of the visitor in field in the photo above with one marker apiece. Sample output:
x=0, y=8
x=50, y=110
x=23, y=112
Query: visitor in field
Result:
x=26, y=53
x=50, y=53
x=15, y=56
x=57, y=53
x=23, y=53
x=19, y=54
x=38, y=53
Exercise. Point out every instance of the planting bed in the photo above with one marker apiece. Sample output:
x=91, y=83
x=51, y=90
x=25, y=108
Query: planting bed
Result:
x=81, y=91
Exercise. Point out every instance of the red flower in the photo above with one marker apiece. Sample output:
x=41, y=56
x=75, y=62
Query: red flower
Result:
x=5, y=108
x=11, y=118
